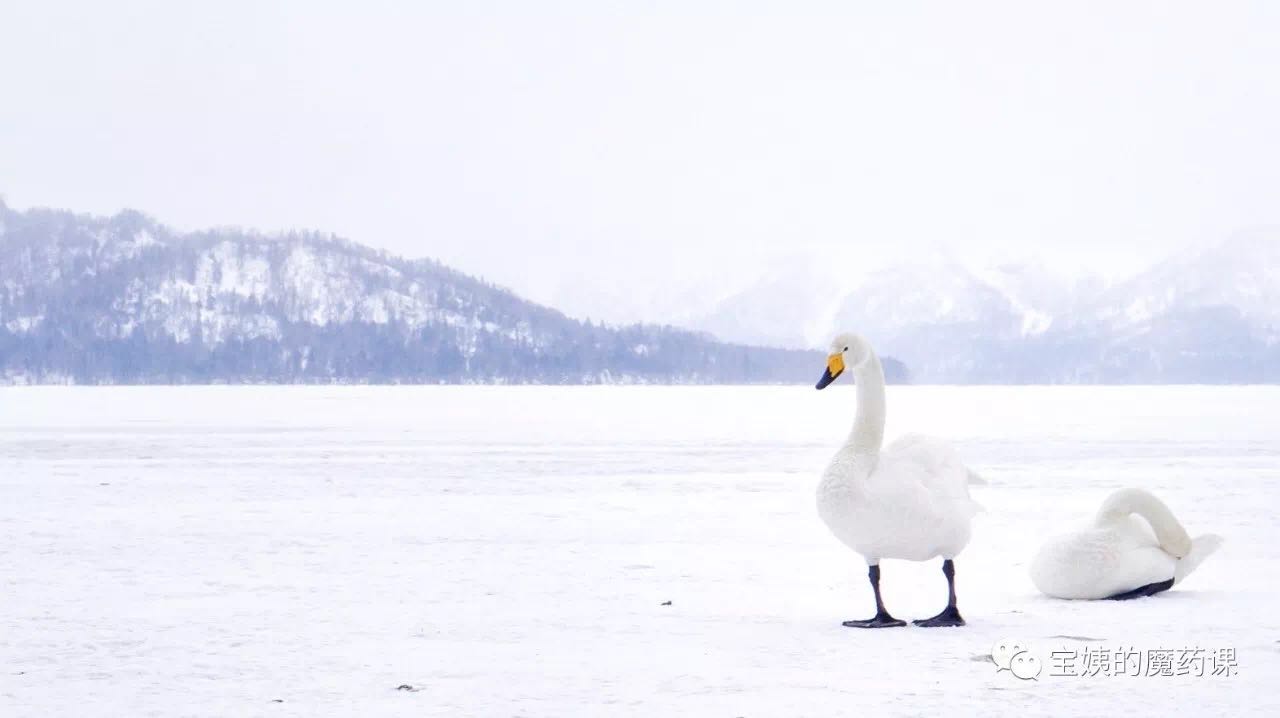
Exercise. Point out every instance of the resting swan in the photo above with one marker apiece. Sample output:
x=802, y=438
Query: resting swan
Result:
x=1135, y=547
x=909, y=500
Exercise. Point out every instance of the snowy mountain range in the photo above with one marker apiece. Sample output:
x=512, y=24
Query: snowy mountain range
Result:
x=1210, y=317
x=126, y=300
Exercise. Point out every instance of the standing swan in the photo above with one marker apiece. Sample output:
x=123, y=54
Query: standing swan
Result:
x=1135, y=547
x=909, y=500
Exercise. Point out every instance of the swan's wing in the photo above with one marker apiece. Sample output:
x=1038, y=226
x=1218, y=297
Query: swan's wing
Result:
x=923, y=488
x=933, y=462
x=1100, y=562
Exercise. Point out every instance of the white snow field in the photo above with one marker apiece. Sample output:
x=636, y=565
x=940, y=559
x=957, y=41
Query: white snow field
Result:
x=508, y=551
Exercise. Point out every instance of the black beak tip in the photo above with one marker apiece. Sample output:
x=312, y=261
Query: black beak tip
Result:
x=825, y=380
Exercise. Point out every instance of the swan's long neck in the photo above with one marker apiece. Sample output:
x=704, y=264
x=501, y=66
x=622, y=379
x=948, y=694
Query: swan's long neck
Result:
x=1169, y=532
x=868, y=423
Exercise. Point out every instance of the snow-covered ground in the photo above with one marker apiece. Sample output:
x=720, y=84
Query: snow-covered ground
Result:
x=304, y=551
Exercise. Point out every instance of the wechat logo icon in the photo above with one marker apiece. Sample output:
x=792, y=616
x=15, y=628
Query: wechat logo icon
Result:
x=1013, y=655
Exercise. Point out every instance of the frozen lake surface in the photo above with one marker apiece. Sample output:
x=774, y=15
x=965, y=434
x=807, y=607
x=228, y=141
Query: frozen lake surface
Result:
x=305, y=551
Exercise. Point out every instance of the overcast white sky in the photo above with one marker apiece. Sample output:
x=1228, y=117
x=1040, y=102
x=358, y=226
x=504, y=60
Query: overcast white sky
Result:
x=582, y=148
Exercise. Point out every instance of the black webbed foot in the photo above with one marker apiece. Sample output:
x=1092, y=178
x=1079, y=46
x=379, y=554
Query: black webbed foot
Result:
x=881, y=620
x=1150, y=589
x=950, y=616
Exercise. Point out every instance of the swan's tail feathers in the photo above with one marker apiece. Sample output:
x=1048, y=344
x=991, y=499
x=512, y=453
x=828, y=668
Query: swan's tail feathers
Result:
x=1201, y=548
x=1172, y=536
x=975, y=480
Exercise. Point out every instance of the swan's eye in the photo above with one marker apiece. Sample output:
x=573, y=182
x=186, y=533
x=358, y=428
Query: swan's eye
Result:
x=846, y=348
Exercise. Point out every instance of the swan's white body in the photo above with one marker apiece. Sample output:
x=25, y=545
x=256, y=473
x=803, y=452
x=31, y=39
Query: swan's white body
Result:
x=909, y=500
x=1134, y=541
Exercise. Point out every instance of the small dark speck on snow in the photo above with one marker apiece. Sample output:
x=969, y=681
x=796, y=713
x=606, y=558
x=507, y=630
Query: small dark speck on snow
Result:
x=666, y=603
x=407, y=687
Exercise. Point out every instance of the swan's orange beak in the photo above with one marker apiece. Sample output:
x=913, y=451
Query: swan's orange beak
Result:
x=835, y=365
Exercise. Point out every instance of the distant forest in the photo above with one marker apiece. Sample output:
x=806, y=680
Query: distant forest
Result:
x=126, y=300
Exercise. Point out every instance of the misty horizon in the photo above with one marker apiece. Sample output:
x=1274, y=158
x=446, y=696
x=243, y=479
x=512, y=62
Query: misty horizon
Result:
x=794, y=260
x=127, y=298
x=593, y=158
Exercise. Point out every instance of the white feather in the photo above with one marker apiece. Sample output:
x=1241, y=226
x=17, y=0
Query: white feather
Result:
x=1134, y=540
x=909, y=500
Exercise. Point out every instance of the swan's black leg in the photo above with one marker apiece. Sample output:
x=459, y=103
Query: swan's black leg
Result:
x=882, y=618
x=950, y=615
x=1150, y=589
